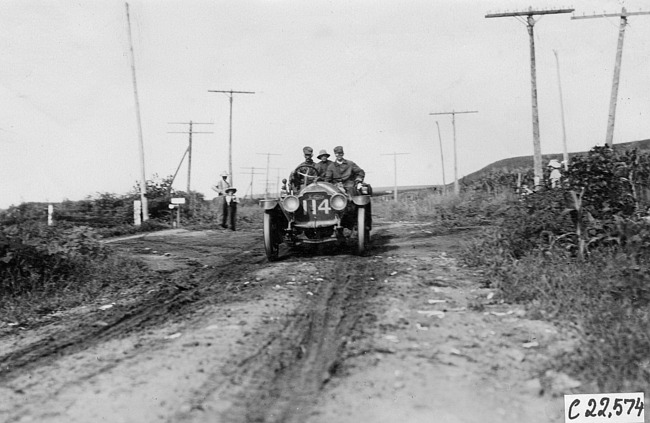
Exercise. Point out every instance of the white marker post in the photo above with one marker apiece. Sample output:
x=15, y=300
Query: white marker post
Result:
x=50, y=215
x=176, y=203
x=137, y=212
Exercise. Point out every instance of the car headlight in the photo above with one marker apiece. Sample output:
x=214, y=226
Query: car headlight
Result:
x=291, y=203
x=339, y=201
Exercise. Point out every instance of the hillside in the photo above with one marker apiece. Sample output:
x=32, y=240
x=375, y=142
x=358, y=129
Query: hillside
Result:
x=526, y=162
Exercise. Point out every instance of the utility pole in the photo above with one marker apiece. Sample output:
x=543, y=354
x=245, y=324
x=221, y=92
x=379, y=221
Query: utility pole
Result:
x=395, y=170
x=442, y=162
x=565, y=152
x=530, y=23
x=277, y=182
x=189, y=148
x=609, y=137
x=277, y=178
x=230, y=93
x=268, y=161
x=453, y=114
x=252, y=173
x=143, y=177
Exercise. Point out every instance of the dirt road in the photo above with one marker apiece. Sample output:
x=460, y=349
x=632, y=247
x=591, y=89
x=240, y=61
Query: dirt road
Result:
x=222, y=335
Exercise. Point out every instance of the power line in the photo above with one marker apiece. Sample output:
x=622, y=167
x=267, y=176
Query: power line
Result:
x=530, y=23
x=189, y=147
x=453, y=114
x=395, y=170
x=230, y=93
x=611, y=117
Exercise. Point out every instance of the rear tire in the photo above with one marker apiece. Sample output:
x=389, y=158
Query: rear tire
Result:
x=271, y=243
x=363, y=234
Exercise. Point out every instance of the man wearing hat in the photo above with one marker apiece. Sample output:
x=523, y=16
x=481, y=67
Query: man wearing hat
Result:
x=220, y=188
x=345, y=172
x=230, y=209
x=324, y=163
x=555, y=175
x=308, y=152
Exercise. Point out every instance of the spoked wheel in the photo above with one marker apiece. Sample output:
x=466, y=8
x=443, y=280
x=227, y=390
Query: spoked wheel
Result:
x=363, y=234
x=271, y=241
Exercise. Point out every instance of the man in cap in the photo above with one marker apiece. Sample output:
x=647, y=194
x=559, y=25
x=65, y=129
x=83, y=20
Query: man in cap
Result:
x=323, y=164
x=294, y=178
x=220, y=188
x=230, y=211
x=345, y=172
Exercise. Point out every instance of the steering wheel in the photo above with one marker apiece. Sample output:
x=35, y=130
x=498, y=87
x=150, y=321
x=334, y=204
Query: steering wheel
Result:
x=306, y=171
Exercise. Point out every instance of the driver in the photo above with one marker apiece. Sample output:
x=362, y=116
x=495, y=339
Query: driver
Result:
x=345, y=172
x=308, y=152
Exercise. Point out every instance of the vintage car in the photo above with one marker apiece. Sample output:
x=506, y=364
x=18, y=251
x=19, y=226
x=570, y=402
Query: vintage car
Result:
x=310, y=211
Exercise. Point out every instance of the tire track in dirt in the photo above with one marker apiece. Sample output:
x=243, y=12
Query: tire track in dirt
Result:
x=280, y=379
x=174, y=298
x=288, y=396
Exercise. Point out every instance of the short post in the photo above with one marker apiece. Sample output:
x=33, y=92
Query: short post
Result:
x=176, y=203
x=50, y=215
x=137, y=212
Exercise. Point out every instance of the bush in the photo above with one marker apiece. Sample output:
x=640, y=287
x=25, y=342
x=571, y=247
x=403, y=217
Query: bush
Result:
x=578, y=254
x=33, y=257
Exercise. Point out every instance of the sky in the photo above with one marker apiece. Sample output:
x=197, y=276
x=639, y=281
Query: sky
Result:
x=361, y=74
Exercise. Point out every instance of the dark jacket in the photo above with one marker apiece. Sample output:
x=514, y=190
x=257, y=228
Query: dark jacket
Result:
x=347, y=172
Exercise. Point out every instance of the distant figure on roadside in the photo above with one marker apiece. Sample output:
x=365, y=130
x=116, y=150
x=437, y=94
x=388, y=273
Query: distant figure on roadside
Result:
x=345, y=173
x=295, y=179
x=230, y=211
x=220, y=188
x=324, y=163
x=556, y=175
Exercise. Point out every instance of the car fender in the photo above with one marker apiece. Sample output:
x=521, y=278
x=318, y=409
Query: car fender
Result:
x=361, y=200
x=268, y=204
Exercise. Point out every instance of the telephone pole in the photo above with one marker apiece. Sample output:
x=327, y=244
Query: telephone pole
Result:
x=442, y=162
x=565, y=152
x=453, y=114
x=530, y=23
x=395, y=170
x=268, y=161
x=609, y=137
x=189, y=147
x=230, y=93
x=252, y=173
x=143, y=177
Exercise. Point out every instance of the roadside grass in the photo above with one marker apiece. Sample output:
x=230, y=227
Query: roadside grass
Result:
x=447, y=210
x=604, y=298
x=44, y=270
x=606, y=301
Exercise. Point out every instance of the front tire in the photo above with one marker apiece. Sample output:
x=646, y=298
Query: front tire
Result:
x=271, y=244
x=363, y=234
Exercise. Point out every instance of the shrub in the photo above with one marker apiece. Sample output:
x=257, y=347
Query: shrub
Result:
x=36, y=256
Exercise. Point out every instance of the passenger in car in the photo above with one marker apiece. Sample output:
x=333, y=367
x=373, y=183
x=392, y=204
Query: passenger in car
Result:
x=345, y=172
x=324, y=163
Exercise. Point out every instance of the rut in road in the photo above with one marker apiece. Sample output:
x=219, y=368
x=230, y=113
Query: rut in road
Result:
x=283, y=378
x=153, y=309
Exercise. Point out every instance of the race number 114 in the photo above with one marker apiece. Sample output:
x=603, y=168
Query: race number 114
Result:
x=604, y=408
